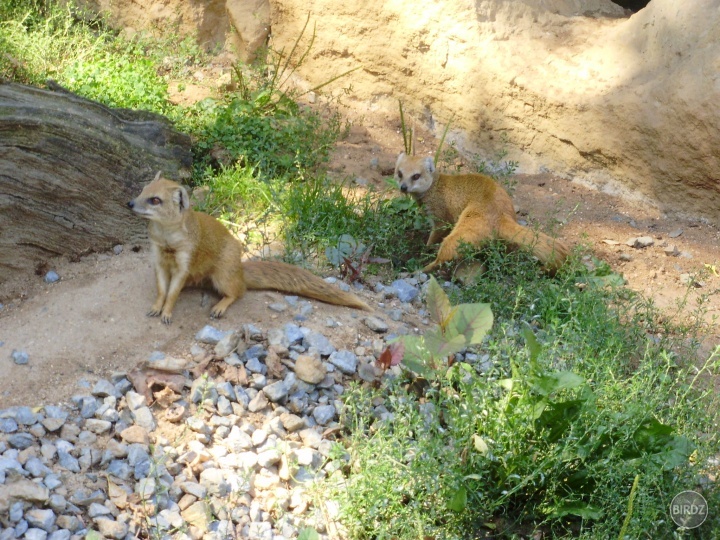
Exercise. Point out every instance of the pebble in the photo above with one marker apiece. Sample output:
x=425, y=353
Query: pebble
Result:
x=405, y=291
x=21, y=358
x=51, y=277
x=671, y=251
x=345, y=361
x=318, y=342
x=244, y=437
x=376, y=324
x=640, y=242
x=210, y=335
x=310, y=369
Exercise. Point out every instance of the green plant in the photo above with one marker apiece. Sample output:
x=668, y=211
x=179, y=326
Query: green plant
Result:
x=118, y=80
x=39, y=38
x=458, y=327
x=318, y=212
x=262, y=125
x=567, y=400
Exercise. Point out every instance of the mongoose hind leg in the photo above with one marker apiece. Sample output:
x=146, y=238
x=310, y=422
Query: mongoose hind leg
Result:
x=550, y=251
x=437, y=235
x=230, y=283
x=470, y=228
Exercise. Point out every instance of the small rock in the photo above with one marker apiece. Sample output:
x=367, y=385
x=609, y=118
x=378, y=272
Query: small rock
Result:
x=310, y=369
x=640, y=242
x=318, y=342
x=324, y=414
x=117, y=249
x=405, y=291
x=41, y=519
x=625, y=257
x=277, y=307
x=214, y=481
x=310, y=438
x=345, y=361
x=671, y=251
x=227, y=344
x=8, y=425
x=134, y=435
x=376, y=324
x=98, y=427
x=276, y=391
x=51, y=277
x=675, y=233
x=210, y=335
x=20, y=357
x=110, y=528
x=292, y=422
x=258, y=403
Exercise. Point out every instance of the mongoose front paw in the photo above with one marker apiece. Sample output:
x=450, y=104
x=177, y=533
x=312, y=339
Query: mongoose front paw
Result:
x=153, y=313
x=216, y=314
x=166, y=319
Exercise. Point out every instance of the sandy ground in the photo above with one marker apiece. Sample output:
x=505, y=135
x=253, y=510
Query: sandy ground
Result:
x=92, y=322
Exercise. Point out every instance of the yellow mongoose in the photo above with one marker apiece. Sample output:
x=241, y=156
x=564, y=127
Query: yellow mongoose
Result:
x=192, y=248
x=477, y=206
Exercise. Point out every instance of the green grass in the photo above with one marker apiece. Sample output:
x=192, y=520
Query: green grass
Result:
x=545, y=436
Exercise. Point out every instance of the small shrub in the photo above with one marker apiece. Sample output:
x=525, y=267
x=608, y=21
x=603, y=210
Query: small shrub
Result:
x=118, y=80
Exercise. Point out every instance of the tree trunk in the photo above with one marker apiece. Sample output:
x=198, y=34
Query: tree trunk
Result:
x=68, y=166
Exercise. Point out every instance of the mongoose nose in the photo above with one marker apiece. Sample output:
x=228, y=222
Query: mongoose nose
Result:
x=131, y=204
x=403, y=188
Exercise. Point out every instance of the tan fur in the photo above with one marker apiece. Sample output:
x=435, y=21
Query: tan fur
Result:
x=476, y=208
x=192, y=248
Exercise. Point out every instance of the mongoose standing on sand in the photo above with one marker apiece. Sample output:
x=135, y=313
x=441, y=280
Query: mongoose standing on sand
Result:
x=192, y=248
x=469, y=208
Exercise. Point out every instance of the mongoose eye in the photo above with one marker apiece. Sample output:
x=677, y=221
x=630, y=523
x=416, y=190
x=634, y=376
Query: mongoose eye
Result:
x=154, y=200
x=415, y=177
x=399, y=175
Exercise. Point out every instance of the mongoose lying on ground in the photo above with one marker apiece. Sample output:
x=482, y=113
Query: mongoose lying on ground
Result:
x=470, y=208
x=192, y=248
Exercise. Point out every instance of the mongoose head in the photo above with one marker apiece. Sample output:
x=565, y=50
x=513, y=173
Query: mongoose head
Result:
x=161, y=200
x=415, y=174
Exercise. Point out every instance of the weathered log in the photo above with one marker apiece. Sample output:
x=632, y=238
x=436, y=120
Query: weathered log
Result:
x=67, y=168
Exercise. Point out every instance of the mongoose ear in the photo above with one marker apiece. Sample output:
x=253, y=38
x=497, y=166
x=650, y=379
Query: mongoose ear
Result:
x=157, y=177
x=181, y=198
x=399, y=159
x=430, y=164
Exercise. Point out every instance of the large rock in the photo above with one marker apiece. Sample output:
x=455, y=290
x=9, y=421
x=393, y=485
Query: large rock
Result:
x=67, y=168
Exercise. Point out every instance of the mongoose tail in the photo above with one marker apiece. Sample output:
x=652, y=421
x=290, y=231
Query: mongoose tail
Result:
x=550, y=251
x=287, y=278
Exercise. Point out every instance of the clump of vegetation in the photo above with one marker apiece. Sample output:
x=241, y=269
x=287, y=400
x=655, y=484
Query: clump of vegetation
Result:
x=566, y=405
x=545, y=427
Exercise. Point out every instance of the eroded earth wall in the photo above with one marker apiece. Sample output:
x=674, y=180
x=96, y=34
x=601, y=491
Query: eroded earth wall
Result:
x=629, y=103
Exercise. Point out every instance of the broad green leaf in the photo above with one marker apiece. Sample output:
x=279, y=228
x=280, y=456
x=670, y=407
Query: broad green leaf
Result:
x=442, y=346
x=676, y=452
x=557, y=418
x=534, y=347
x=308, y=533
x=438, y=302
x=417, y=357
x=472, y=321
x=480, y=444
x=580, y=509
x=561, y=380
x=459, y=500
x=610, y=280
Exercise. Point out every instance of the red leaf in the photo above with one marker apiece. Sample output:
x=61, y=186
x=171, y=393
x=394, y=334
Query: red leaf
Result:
x=384, y=361
x=391, y=356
